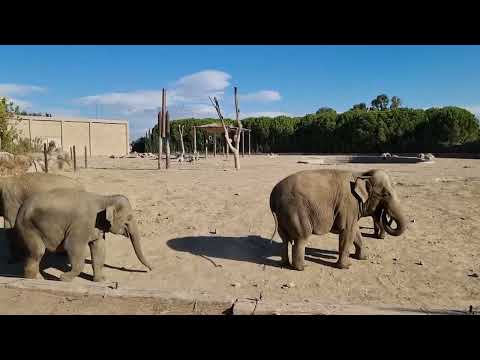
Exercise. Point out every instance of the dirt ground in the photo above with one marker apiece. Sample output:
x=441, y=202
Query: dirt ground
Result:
x=206, y=230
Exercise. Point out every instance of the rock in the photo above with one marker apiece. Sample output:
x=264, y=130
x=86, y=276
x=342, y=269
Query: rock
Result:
x=288, y=285
x=235, y=285
x=112, y=156
x=419, y=263
x=6, y=156
x=412, y=221
x=474, y=275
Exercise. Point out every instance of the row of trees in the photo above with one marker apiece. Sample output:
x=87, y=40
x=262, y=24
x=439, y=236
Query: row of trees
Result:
x=380, y=129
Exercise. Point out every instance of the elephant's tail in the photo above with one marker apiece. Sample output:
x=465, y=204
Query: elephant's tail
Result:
x=276, y=226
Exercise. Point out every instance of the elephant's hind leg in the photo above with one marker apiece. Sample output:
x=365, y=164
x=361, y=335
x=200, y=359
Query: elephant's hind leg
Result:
x=285, y=240
x=97, y=251
x=298, y=254
x=76, y=253
x=35, y=249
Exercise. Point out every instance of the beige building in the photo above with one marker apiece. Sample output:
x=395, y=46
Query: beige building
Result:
x=101, y=137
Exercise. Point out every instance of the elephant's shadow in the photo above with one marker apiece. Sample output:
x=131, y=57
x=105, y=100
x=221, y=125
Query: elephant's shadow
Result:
x=58, y=261
x=254, y=249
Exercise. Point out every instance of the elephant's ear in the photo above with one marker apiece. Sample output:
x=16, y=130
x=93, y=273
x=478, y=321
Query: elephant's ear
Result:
x=361, y=188
x=109, y=214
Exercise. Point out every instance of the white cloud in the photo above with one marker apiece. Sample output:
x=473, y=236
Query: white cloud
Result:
x=263, y=95
x=191, y=91
x=19, y=90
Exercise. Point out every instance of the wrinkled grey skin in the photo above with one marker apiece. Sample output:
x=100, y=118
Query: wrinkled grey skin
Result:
x=14, y=190
x=321, y=201
x=71, y=219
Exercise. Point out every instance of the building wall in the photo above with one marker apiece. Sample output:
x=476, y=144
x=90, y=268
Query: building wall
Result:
x=76, y=134
x=46, y=131
x=108, y=139
x=100, y=138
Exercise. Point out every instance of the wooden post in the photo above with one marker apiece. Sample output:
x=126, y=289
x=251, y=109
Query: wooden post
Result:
x=228, y=148
x=160, y=151
x=167, y=139
x=249, y=148
x=194, y=140
x=71, y=153
x=243, y=143
x=74, y=159
x=206, y=149
x=45, y=156
x=86, y=165
x=161, y=129
x=215, y=145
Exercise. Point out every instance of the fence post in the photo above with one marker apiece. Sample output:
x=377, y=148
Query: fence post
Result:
x=45, y=156
x=86, y=157
x=74, y=159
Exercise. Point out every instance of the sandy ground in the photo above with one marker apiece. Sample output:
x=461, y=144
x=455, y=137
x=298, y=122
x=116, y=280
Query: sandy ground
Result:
x=206, y=230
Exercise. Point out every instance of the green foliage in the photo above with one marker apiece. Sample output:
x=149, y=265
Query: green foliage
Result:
x=362, y=106
x=10, y=140
x=396, y=103
x=378, y=130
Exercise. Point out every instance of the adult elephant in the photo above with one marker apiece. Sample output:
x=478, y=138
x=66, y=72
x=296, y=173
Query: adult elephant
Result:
x=14, y=190
x=321, y=201
x=70, y=219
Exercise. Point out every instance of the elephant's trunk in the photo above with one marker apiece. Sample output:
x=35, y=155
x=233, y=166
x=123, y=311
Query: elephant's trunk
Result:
x=396, y=213
x=134, y=236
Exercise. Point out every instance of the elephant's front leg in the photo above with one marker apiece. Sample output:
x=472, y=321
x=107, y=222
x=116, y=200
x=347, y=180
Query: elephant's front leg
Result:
x=97, y=251
x=360, y=252
x=346, y=239
x=76, y=253
x=378, y=229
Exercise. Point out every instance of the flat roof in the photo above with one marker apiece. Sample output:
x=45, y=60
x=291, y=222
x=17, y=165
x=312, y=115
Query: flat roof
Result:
x=72, y=119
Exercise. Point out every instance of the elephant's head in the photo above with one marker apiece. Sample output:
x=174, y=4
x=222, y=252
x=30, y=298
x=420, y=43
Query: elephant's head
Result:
x=119, y=219
x=375, y=191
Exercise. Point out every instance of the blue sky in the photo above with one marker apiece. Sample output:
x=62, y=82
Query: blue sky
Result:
x=125, y=82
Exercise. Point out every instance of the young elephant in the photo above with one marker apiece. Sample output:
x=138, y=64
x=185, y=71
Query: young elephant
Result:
x=70, y=219
x=321, y=201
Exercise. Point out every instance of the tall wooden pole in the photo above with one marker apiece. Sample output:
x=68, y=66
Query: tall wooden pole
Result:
x=86, y=157
x=243, y=143
x=167, y=140
x=194, y=140
x=215, y=145
x=161, y=129
x=249, y=148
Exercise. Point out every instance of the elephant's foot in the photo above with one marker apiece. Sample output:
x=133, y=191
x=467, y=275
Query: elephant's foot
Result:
x=68, y=276
x=99, y=278
x=299, y=267
x=343, y=264
x=360, y=256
